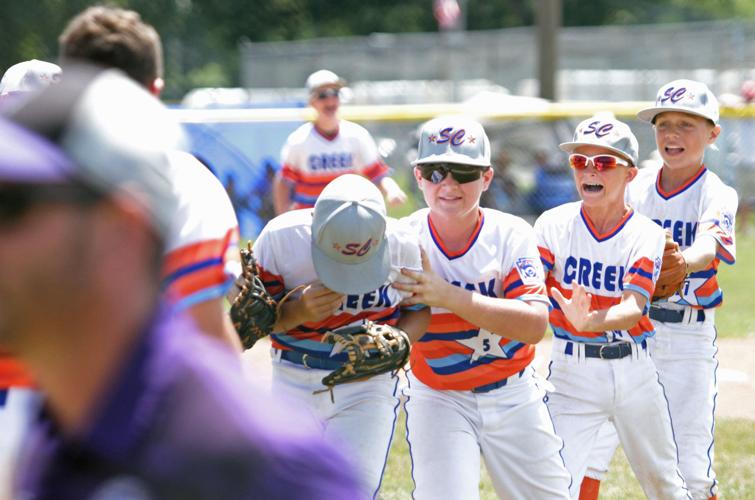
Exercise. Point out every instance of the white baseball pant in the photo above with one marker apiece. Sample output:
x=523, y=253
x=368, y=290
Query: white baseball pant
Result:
x=591, y=391
x=360, y=419
x=448, y=430
x=685, y=357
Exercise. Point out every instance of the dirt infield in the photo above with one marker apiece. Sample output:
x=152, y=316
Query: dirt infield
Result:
x=736, y=373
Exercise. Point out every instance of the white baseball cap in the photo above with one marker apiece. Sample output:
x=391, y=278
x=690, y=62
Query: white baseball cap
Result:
x=29, y=76
x=349, y=247
x=324, y=78
x=607, y=132
x=686, y=96
x=453, y=139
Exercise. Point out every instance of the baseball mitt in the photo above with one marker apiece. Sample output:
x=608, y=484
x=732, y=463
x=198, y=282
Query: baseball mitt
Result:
x=673, y=271
x=254, y=311
x=372, y=349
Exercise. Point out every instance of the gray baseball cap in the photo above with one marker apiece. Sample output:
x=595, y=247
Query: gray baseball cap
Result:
x=453, y=139
x=686, y=96
x=605, y=131
x=349, y=247
x=107, y=133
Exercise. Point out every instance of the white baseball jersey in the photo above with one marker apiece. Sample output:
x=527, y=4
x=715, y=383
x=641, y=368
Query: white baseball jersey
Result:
x=501, y=260
x=310, y=160
x=201, y=254
x=626, y=258
x=704, y=205
x=285, y=260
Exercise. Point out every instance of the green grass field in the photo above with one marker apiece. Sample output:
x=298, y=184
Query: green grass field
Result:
x=735, y=439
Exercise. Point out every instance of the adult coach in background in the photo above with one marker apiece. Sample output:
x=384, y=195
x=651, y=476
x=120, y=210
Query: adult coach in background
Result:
x=202, y=249
x=18, y=395
x=472, y=389
x=698, y=209
x=132, y=410
x=346, y=255
x=318, y=152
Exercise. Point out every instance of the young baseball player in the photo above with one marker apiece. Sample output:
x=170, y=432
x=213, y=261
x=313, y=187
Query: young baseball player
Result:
x=346, y=253
x=697, y=208
x=471, y=387
x=202, y=251
x=602, y=260
x=318, y=152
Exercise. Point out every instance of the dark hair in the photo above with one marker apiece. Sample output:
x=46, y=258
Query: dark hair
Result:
x=114, y=38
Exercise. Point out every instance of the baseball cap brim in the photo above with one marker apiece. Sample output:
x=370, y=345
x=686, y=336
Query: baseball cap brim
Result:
x=30, y=158
x=355, y=279
x=649, y=114
x=569, y=147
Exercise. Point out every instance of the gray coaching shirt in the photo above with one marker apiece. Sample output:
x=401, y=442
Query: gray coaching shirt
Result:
x=180, y=422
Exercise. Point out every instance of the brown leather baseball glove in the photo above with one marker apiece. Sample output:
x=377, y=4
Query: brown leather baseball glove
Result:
x=372, y=349
x=673, y=271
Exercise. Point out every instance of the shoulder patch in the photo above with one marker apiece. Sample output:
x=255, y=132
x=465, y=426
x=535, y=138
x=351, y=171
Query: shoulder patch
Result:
x=529, y=270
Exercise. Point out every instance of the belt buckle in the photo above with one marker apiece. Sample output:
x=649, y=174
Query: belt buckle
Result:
x=304, y=360
x=600, y=351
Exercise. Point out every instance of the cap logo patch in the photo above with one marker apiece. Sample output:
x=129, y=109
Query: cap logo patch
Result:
x=455, y=137
x=598, y=129
x=672, y=94
x=355, y=248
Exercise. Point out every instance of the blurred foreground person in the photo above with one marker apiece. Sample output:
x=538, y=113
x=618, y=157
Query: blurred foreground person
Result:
x=201, y=249
x=131, y=411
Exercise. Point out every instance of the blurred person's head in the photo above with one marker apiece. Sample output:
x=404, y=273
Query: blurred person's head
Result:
x=748, y=91
x=324, y=89
x=452, y=168
x=603, y=155
x=686, y=120
x=115, y=38
x=84, y=202
x=24, y=78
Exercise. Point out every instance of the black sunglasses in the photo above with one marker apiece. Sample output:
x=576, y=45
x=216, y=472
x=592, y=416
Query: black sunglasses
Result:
x=436, y=172
x=17, y=199
x=325, y=93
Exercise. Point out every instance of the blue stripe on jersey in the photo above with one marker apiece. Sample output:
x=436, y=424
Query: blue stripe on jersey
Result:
x=641, y=272
x=638, y=289
x=512, y=286
x=456, y=363
x=203, y=295
x=183, y=271
x=304, y=200
x=703, y=274
x=465, y=334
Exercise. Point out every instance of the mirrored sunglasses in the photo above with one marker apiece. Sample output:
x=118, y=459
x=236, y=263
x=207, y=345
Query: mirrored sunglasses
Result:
x=602, y=162
x=16, y=200
x=325, y=93
x=436, y=172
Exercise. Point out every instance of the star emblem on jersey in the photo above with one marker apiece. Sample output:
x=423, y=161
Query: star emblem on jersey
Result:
x=484, y=344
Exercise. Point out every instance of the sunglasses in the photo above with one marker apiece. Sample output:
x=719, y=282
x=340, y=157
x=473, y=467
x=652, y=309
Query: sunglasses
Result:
x=325, y=93
x=602, y=162
x=436, y=172
x=16, y=200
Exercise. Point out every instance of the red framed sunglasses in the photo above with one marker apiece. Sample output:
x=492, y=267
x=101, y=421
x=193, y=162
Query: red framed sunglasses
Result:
x=602, y=162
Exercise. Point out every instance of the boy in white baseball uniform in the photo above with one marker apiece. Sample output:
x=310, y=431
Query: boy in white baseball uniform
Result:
x=318, y=152
x=347, y=255
x=602, y=260
x=472, y=388
x=698, y=209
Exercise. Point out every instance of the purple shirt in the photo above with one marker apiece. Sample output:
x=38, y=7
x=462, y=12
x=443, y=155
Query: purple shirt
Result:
x=181, y=421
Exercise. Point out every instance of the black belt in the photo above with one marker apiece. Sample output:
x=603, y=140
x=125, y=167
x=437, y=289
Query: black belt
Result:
x=310, y=361
x=673, y=316
x=495, y=385
x=615, y=350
